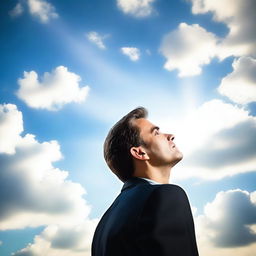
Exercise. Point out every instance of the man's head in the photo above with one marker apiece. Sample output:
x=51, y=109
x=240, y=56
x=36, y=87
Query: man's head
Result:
x=122, y=136
x=134, y=139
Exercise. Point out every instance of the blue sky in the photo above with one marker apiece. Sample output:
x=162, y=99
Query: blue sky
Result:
x=71, y=70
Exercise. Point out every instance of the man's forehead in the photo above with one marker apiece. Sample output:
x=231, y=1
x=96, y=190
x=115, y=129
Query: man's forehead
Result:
x=144, y=124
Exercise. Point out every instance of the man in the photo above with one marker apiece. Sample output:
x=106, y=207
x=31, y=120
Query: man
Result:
x=150, y=216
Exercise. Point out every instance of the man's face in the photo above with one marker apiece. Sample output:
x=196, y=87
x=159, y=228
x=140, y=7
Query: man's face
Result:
x=159, y=147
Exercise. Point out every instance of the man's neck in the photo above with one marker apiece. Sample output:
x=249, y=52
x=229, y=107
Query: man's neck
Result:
x=160, y=175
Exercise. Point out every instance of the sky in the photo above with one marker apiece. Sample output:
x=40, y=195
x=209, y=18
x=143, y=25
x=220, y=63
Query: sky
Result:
x=71, y=69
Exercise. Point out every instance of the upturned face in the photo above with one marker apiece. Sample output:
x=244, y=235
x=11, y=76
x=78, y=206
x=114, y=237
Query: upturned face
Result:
x=159, y=146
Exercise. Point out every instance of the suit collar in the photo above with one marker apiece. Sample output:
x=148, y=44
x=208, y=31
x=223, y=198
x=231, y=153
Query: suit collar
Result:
x=132, y=182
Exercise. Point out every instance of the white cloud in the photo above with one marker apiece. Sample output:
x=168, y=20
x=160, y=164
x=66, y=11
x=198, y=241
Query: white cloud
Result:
x=62, y=240
x=11, y=126
x=96, y=39
x=188, y=48
x=208, y=119
x=136, y=8
x=227, y=225
x=40, y=9
x=191, y=46
x=217, y=139
x=30, y=174
x=132, y=52
x=17, y=10
x=55, y=90
x=32, y=177
x=240, y=84
x=240, y=20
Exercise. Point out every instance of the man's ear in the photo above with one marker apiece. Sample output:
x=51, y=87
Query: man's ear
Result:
x=139, y=153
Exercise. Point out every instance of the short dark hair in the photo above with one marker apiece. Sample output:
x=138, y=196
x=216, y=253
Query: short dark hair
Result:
x=121, y=137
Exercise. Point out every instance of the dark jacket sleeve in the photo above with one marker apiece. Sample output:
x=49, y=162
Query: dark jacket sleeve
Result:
x=166, y=227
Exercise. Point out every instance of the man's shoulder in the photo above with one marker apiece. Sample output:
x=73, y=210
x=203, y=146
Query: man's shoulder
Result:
x=164, y=189
x=167, y=193
x=145, y=193
x=164, y=201
x=168, y=188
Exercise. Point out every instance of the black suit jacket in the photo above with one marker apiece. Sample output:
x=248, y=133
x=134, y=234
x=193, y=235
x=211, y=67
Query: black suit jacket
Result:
x=146, y=220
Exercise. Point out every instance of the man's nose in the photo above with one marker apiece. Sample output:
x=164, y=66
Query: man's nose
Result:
x=169, y=136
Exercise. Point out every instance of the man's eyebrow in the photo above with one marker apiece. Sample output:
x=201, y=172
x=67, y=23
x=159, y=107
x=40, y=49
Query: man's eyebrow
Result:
x=154, y=128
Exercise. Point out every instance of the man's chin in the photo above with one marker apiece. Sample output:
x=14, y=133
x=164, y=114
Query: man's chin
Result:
x=178, y=158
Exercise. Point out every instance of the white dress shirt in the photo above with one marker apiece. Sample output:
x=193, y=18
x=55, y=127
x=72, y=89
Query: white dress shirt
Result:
x=152, y=182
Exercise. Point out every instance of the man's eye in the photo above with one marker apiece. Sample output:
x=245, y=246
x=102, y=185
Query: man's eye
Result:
x=157, y=132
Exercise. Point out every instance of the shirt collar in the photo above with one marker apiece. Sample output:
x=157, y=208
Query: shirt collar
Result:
x=152, y=182
x=134, y=181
